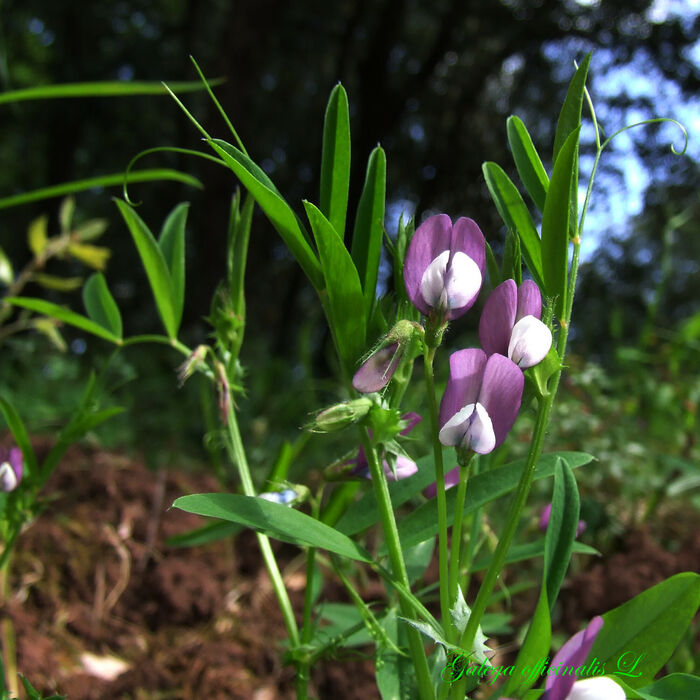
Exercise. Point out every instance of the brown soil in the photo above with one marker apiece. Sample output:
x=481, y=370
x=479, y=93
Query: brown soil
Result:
x=93, y=574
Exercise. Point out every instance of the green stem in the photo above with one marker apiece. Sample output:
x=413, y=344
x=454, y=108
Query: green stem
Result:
x=398, y=565
x=239, y=458
x=304, y=667
x=440, y=496
x=9, y=647
x=457, y=528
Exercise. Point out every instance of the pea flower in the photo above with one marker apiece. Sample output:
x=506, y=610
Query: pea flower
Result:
x=378, y=369
x=405, y=466
x=11, y=468
x=510, y=324
x=544, y=521
x=481, y=401
x=569, y=662
x=444, y=266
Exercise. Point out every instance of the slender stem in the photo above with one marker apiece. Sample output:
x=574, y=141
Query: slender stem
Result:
x=304, y=667
x=398, y=565
x=440, y=496
x=239, y=457
x=457, y=528
x=9, y=647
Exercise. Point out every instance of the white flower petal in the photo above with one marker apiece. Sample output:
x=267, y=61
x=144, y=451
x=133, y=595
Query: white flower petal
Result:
x=452, y=433
x=432, y=284
x=470, y=427
x=480, y=437
x=463, y=281
x=530, y=341
x=596, y=689
x=8, y=478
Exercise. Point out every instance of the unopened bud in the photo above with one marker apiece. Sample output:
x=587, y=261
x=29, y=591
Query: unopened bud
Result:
x=11, y=468
x=341, y=415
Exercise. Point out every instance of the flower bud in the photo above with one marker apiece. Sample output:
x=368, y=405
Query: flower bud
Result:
x=378, y=369
x=341, y=415
x=191, y=364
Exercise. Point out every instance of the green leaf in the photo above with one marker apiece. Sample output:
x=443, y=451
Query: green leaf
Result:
x=36, y=235
x=63, y=314
x=369, y=227
x=516, y=216
x=278, y=521
x=155, y=266
x=59, y=284
x=91, y=183
x=492, y=266
x=534, y=648
x=20, y=435
x=347, y=318
x=677, y=686
x=418, y=559
x=570, y=115
x=561, y=531
x=107, y=88
x=555, y=222
x=213, y=532
x=393, y=678
x=530, y=550
x=335, y=160
x=65, y=214
x=100, y=304
x=512, y=264
x=91, y=229
x=639, y=636
x=172, y=245
x=275, y=208
x=364, y=513
x=527, y=161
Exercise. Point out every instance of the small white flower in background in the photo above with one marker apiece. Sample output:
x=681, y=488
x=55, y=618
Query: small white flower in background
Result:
x=285, y=498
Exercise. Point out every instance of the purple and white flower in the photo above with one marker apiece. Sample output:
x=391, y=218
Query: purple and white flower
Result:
x=405, y=466
x=444, y=266
x=11, y=468
x=510, y=324
x=481, y=401
x=569, y=662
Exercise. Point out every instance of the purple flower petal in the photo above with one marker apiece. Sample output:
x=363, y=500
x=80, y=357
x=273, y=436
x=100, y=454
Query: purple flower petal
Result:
x=498, y=318
x=572, y=654
x=501, y=394
x=412, y=419
x=431, y=238
x=529, y=301
x=466, y=371
x=544, y=518
x=405, y=467
x=468, y=239
x=377, y=370
x=16, y=462
x=451, y=479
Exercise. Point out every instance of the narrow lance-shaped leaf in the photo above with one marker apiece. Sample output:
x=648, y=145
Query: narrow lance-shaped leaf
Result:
x=278, y=521
x=347, y=317
x=63, y=314
x=19, y=433
x=639, y=636
x=100, y=304
x=561, y=531
x=527, y=161
x=369, y=227
x=335, y=160
x=516, y=216
x=570, y=115
x=155, y=266
x=172, y=245
x=555, y=223
x=275, y=208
